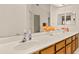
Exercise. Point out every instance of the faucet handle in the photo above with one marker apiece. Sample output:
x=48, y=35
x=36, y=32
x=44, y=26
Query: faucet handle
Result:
x=25, y=33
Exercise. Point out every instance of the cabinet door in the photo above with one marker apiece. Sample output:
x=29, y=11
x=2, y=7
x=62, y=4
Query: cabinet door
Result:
x=76, y=41
x=68, y=49
x=48, y=50
x=73, y=46
x=62, y=51
x=68, y=40
x=60, y=45
x=73, y=38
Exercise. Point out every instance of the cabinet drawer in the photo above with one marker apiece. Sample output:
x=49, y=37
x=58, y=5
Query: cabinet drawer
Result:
x=68, y=49
x=62, y=51
x=77, y=40
x=73, y=38
x=76, y=36
x=59, y=45
x=48, y=50
x=73, y=46
x=68, y=40
x=76, y=43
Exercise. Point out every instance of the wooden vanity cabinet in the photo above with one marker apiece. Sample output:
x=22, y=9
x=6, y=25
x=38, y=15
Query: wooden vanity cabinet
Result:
x=60, y=45
x=73, y=37
x=73, y=46
x=68, y=40
x=48, y=50
x=77, y=41
x=61, y=51
x=66, y=46
x=73, y=43
x=68, y=49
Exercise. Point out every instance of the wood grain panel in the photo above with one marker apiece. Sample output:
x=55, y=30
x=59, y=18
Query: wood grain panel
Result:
x=62, y=51
x=73, y=46
x=59, y=45
x=76, y=43
x=68, y=49
x=49, y=50
x=73, y=38
x=68, y=41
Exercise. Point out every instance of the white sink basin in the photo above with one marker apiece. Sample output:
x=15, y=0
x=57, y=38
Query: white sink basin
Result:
x=36, y=41
x=25, y=45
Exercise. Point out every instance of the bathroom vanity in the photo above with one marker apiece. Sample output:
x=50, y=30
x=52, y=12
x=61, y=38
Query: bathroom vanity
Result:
x=65, y=46
x=61, y=43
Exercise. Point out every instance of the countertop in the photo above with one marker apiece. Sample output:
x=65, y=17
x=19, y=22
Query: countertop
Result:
x=37, y=43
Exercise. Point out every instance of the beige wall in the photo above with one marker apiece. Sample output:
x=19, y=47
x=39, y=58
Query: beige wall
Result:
x=12, y=18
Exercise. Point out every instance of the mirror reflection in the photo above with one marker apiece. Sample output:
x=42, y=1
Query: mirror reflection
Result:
x=45, y=17
x=39, y=14
x=66, y=18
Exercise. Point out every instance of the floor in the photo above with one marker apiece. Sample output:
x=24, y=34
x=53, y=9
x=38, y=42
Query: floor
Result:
x=77, y=51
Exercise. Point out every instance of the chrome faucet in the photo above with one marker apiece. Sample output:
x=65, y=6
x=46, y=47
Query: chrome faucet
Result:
x=24, y=39
x=27, y=36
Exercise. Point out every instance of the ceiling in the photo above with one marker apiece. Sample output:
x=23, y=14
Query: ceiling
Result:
x=59, y=5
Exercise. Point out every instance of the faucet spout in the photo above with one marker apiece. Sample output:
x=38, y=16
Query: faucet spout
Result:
x=27, y=36
x=24, y=40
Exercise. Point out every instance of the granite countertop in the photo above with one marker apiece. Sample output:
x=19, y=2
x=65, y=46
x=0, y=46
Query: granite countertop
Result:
x=37, y=43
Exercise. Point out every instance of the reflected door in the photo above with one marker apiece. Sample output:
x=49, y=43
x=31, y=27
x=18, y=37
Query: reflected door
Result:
x=36, y=23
